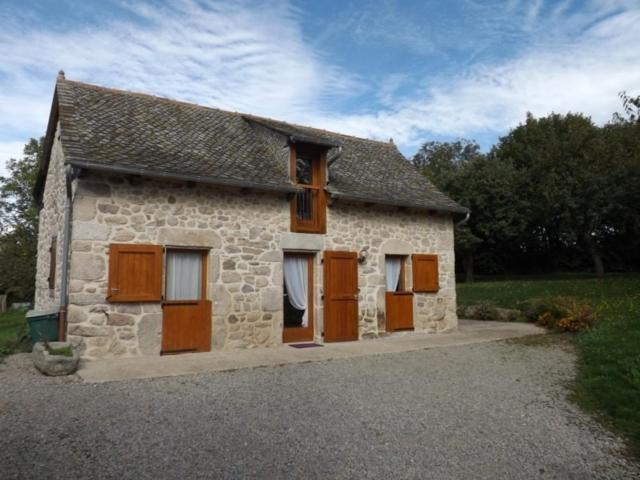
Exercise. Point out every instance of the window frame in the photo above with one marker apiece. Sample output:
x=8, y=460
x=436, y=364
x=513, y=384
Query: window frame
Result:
x=204, y=253
x=402, y=283
x=318, y=223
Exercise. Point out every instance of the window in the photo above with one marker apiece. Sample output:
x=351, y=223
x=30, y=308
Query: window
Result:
x=52, y=263
x=304, y=169
x=425, y=273
x=135, y=273
x=184, y=275
x=308, y=207
x=394, y=273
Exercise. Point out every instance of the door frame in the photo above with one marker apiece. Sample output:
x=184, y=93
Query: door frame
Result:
x=301, y=334
x=206, y=343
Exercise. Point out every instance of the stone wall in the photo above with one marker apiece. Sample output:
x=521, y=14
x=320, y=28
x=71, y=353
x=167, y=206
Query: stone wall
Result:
x=51, y=224
x=380, y=231
x=245, y=233
x=241, y=231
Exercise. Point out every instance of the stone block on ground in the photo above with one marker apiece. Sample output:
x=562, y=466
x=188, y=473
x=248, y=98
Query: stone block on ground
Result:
x=54, y=365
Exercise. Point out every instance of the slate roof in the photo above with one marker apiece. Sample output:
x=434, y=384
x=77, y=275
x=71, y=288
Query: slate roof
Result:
x=116, y=130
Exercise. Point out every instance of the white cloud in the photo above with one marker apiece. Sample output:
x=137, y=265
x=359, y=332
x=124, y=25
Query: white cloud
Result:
x=10, y=150
x=582, y=74
x=220, y=54
x=256, y=59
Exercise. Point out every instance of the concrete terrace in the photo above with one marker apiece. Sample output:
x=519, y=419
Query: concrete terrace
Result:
x=469, y=332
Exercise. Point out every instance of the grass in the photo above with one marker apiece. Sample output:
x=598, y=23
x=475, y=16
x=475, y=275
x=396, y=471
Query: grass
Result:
x=13, y=327
x=62, y=351
x=512, y=293
x=545, y=340
x=608, y=371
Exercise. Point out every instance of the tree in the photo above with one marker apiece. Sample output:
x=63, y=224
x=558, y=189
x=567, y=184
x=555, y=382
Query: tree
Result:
x=489, y=187
x=483, y=184
x=19, y=222
x=622, y=241
x=572, y=184
x=556, y=193
x=631, y=106
x=439, y=161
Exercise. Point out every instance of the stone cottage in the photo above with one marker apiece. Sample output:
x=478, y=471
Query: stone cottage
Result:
x=168, y=227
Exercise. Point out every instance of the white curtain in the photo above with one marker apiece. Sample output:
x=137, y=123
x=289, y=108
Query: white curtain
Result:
x=296, y=279
x=184, y=275
x=392, y=268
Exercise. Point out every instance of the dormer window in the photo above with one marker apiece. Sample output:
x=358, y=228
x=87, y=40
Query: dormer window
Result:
x=308, y=207
x=304, y=169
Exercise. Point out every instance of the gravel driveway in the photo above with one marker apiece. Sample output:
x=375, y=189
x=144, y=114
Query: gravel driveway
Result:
x=493, y=411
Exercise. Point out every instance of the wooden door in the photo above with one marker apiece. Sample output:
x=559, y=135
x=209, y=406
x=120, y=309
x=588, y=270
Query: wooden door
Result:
x=340, y=296
x=294, y=331
x=398, y=301
x=186, y=312
x=186, y=327
x=399, y=311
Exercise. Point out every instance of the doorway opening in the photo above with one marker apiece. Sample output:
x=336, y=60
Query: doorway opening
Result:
x=298, y=297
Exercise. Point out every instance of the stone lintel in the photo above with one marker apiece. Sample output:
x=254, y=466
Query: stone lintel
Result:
x=302, y=241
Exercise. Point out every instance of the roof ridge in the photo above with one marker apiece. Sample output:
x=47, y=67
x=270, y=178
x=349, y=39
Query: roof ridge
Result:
x=105, y=127
x=297, y=125
x=145, y=95
x=62, y=79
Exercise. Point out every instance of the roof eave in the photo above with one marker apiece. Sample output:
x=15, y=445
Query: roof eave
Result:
x=399, y=203
x=207, y=180
x=43, y=167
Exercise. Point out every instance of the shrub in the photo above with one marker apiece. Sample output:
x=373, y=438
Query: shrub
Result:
x=485, y=311
x=509, y=315
x=533, y=309
x=565, y=314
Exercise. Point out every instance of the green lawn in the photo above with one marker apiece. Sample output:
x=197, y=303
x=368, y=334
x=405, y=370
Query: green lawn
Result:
x=608, y=376
x=12, y=324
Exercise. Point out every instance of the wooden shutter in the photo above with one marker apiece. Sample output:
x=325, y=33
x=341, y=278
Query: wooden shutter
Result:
x=135, y=273
x=425, y=273
x=52, y=262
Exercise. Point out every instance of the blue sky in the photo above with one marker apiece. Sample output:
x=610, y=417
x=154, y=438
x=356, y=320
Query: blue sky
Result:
x=410, y=70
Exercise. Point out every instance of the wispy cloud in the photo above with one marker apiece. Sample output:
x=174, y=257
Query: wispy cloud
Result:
x=532, y=13
x=229, y=55
x=225, y=53
x=568, y=56
x=581, y=73
x=9, y=150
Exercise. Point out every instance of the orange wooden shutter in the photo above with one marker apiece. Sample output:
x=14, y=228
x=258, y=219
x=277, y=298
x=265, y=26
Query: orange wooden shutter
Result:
x=425, y=273
x=135, y=273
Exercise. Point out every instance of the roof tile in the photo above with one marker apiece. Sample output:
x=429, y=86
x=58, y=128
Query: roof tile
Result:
x=104, y=127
